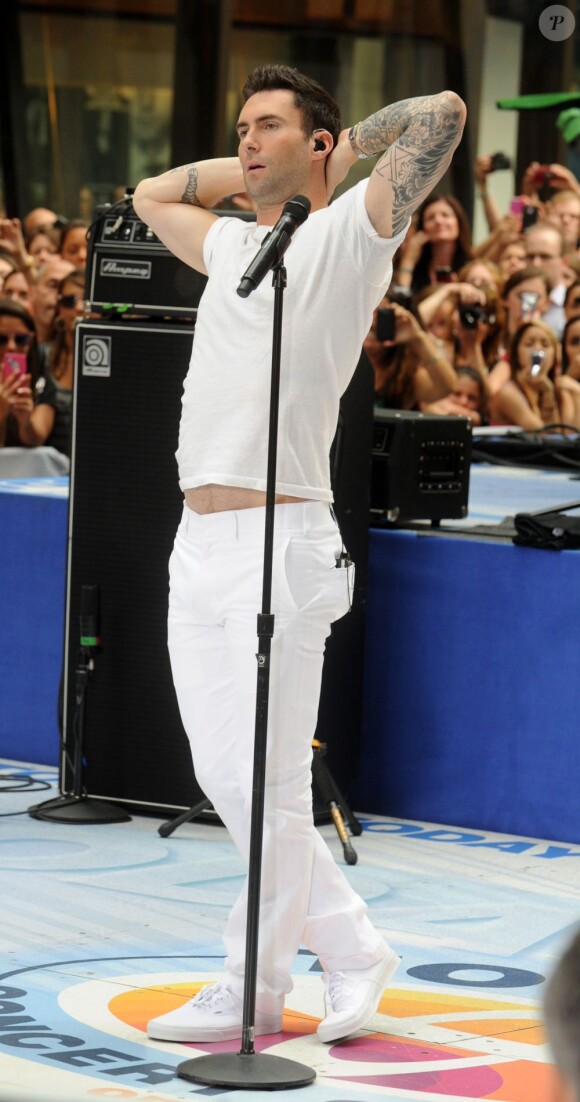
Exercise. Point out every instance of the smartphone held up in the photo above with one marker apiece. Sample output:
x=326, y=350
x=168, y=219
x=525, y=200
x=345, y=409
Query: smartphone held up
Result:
x=385, y=323
x=13, y=363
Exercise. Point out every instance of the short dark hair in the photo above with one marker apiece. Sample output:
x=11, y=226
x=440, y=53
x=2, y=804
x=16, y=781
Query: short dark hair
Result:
x=319, y=110
x=562, y=1014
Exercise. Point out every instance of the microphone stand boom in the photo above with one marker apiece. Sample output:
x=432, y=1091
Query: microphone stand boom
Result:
x=248, y=1069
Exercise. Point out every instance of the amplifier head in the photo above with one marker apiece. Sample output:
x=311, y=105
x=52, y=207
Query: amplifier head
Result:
x=129, y=270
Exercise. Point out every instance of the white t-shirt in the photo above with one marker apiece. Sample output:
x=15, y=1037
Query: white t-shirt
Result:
x=338, y=271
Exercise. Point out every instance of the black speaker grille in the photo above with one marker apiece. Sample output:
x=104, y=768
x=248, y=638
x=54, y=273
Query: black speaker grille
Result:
x=124, y=508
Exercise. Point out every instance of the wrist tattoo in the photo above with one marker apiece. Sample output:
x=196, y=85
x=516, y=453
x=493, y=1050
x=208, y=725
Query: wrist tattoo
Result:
x=190, y=193
x=354, y=145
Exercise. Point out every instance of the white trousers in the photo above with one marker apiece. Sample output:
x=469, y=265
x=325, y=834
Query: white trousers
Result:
x=215, y=596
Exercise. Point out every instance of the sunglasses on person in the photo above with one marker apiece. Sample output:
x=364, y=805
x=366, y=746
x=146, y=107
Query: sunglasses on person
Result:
x=21, y=340
x=68, y=301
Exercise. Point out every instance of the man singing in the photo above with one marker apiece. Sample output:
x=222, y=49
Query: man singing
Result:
x=339, y=265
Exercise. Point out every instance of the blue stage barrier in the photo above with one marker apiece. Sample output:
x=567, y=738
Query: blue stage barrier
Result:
x=472, y=693
x=33, y=523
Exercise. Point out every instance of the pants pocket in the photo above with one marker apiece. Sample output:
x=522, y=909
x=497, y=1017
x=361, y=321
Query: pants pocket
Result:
x=307, y=576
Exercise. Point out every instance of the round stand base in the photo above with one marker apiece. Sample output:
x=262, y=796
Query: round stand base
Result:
x=73, y=809
x=257, y=1071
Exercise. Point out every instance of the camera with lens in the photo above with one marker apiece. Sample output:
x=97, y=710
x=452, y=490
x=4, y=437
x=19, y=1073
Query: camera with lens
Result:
x=470, y=314
x=499, y=161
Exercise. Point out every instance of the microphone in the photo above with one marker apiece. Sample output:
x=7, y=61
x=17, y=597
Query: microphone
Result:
x=275, y=243
x=90, y=618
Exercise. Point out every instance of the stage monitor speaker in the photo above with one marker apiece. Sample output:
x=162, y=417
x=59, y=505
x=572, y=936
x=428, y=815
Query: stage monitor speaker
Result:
x=420, y=466
x=124, y=509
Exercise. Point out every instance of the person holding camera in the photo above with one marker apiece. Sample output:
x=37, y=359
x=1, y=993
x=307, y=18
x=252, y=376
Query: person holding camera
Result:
x=485, y=164
x=18, y=369
x=474, y=318
x=408, y=367
x=47, y=417
x=536, y=394
x=339, y=264
x=524, y=298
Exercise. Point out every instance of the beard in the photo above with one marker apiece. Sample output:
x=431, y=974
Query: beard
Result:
x=277, y=183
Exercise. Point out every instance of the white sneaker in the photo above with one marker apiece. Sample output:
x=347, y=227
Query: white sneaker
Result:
x=215, y=1014
x=353, y=996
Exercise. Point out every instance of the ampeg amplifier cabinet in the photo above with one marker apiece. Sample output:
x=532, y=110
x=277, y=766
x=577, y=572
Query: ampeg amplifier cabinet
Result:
x=420, y=466
x=124, y=509
x=130, y=270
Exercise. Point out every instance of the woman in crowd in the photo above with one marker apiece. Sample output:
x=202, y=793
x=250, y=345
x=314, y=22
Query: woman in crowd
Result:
x=17, y=287
x=48, y=419
x=18, y=369
x=467, y=399
x=524, y=298
x=536, y=394
x=73, y=242
x=572, y=301
x=571, y=348
x=409, y=369
x=42, y=243
x=466, y=321
x=441, y=241
x=511, y=257
x=481, y=272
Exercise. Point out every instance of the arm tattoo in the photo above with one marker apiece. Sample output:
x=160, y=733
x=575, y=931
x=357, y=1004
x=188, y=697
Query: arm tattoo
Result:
x=418, y=137
x=190, y=193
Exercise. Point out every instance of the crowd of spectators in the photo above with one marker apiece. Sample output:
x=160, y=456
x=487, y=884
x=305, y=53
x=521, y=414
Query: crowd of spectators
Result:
x=42, y=278
x=490, y=331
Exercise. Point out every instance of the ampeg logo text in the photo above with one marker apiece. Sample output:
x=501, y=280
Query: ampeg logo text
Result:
x=97, y=356
x=134, y=269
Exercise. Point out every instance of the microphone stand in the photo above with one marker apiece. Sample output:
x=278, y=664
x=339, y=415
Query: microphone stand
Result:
x=247, y=1069
x=77, y=807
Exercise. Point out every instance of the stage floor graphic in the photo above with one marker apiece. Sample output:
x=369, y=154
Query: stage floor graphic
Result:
x=106, y=926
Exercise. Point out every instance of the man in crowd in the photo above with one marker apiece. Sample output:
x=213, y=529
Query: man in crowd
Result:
x=545, y=250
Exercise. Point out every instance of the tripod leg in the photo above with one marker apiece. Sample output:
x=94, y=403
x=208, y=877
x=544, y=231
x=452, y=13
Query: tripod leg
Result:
x=167, y=828
x=321, y=776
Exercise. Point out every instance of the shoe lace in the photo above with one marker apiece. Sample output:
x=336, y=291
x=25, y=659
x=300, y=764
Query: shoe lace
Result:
x=213, y=997
x=335, y=985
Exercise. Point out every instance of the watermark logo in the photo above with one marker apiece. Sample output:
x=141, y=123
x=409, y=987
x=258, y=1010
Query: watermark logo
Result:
x=557, y=22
